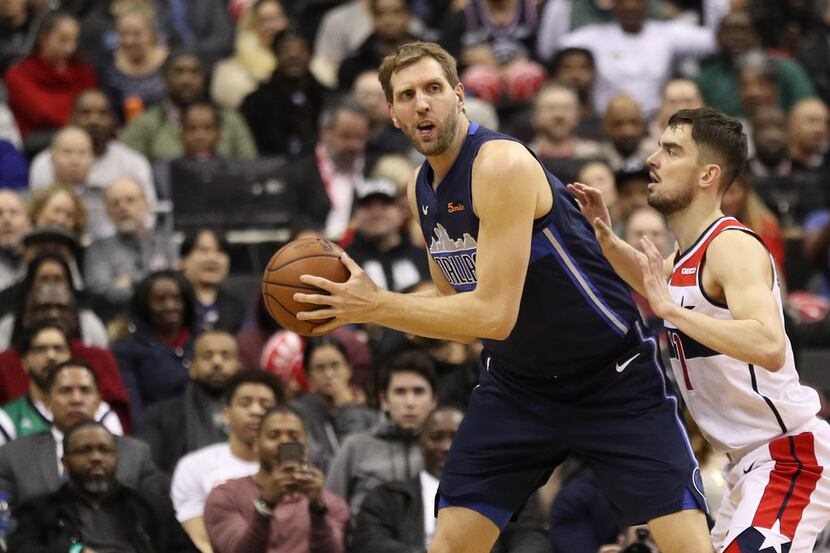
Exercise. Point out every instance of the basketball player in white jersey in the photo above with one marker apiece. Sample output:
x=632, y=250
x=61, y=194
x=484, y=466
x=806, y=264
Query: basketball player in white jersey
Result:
x=720, y=298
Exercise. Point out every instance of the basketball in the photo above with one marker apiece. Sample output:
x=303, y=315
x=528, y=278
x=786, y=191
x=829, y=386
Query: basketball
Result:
x=281, y=279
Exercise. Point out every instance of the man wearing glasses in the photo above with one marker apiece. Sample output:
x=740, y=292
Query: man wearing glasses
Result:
x=93, y=512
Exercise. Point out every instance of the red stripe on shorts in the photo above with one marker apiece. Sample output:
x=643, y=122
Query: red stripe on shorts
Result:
x=791, y=482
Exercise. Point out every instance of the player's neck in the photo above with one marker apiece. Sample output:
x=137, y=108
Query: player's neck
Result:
x=688, y=224
x=442, y=163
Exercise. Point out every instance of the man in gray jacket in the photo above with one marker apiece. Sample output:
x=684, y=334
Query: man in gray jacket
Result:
x=390, y=451
x=31, y=466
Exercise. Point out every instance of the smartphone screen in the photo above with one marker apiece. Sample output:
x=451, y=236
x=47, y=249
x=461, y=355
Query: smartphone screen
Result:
x=292, y=452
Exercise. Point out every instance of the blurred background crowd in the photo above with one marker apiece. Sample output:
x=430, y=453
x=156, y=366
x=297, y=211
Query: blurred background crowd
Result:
x=154, y=154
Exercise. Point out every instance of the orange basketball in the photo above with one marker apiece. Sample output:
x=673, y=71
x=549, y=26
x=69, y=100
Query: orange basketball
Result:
x=281, y=279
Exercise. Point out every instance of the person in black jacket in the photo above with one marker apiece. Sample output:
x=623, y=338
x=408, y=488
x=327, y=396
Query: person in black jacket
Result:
x=92, y=511
x=392, y=517
x=206, y=262
x=282, y=112
x=379, y=244
x=179, y=425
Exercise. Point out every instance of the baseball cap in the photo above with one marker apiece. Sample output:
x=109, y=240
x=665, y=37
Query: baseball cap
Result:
x=375, y=188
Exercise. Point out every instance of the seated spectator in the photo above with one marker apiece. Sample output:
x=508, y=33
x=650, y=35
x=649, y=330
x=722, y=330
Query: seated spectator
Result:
x=758, y=77
x=387, y=453
x=618, y=48
x=379, y=244
x=113, y=159
x=180, y=425
x=626, y=147
x=632, y=192
x=46, y=292
x=324, y=182
x=72, y=159
x=205, y=255
x=153, y=358
x=770, y=156
x=201, y=132
x=679, y=93
x=559, y=17
x=719, y=76
x=555, y=120
x=113, y=265
x=93, y=510
x=384, y=138
x=14, y=382
x=390, y=22
x=808, y=134
x=576, y=69
x=283, y=507
x=399, y=515
x=132, y=79
x=41, y=349
x=202, y=26
x=598, y=173
x=282, y=112
x=19, y=21
x=14, y=224
x=30, y=466
x=494, y=42
x=253, y=60
x=43, y=87
x=248, y=396
x=743, y=203
x=331, y=410
x=156, y=133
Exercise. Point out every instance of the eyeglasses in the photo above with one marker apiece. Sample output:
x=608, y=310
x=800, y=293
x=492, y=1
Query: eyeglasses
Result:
x=104, y=450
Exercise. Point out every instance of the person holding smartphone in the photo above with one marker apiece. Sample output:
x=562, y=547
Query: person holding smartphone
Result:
x=283, y=508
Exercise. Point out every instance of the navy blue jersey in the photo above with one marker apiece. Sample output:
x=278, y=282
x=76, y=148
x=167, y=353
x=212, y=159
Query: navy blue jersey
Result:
x=575, y=315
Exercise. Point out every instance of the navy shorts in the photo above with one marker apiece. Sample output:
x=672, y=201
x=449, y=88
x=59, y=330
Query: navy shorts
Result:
x=622, y=419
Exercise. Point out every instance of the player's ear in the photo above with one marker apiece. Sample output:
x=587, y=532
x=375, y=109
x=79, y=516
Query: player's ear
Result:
x=392, y=115
x=711, y=175
x=459, y=94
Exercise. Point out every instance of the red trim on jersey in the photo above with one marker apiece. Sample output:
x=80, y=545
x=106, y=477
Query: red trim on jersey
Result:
x=686, y=273
x=733, y=547
x=791, y=482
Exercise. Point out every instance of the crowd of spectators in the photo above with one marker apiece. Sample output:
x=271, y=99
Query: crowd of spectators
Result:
x=148, y=405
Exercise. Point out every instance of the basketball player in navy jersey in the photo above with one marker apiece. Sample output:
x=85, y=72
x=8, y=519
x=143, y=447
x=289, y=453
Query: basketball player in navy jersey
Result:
x=720, y=298
x=567, y=364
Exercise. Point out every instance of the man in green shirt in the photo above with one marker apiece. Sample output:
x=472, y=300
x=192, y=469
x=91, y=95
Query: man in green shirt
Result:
x=42, y=348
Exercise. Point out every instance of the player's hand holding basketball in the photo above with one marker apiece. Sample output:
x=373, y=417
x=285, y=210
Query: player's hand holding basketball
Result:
x=594, y=209
x=353, y=301
x=654, y=279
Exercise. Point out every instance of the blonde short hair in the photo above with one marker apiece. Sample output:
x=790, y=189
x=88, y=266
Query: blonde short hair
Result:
x=413, y=52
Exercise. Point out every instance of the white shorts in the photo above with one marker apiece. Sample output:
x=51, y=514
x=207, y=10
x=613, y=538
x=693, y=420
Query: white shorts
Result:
x=777, y=496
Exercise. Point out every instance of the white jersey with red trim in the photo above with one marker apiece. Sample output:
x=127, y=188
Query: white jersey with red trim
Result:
x=737, y=405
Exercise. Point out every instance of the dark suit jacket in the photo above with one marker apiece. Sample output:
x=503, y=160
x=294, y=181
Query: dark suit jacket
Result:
x=391, y=520
x=29, y=467
x=50, y=523
x=312, y=203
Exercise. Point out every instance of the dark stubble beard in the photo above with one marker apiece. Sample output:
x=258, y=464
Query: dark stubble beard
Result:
x=668, y=205
x=446, y=133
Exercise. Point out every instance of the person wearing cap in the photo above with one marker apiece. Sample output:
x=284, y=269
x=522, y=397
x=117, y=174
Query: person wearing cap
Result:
x=379, y=245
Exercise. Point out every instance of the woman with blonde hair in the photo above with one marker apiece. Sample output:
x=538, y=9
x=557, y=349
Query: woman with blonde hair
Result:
x=58, y=207
x=133, y=78
x=253, y=61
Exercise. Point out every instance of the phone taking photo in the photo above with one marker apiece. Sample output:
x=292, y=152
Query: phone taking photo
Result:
x=291, y=452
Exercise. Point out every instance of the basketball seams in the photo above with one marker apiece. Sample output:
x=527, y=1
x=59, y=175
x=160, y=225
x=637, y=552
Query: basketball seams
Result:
x=270, y=269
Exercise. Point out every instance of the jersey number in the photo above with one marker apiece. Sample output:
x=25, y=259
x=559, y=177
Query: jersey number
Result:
x=678, y=348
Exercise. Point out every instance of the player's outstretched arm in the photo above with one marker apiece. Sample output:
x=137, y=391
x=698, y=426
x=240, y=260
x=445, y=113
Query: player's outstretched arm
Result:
x=618, y=252
x=507, y=182
x=741, y=266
